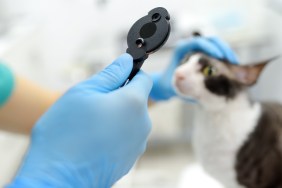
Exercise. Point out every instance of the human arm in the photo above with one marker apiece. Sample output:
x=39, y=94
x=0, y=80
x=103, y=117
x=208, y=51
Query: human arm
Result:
x=24, y=102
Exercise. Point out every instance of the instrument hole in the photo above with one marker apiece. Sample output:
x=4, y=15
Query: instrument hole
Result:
x=148, y=30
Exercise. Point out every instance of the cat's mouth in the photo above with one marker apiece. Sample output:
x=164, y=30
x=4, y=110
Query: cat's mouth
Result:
x=180, y=89
x=181, y=93
x=183, y=90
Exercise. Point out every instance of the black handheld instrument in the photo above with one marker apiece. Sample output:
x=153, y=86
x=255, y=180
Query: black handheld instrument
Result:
x=147, y=36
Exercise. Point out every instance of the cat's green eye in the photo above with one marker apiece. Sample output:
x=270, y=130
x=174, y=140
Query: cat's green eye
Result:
x=209, y=71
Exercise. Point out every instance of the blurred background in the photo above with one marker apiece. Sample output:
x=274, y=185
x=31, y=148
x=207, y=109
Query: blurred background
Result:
x=57, y=43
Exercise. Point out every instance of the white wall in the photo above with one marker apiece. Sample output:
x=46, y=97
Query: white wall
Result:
x=268, y=87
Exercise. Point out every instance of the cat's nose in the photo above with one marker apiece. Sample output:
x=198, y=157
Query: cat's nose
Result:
x=179, y=75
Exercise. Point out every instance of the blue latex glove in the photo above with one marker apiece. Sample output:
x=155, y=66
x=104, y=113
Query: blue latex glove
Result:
x=162, y=87
x=92, y=135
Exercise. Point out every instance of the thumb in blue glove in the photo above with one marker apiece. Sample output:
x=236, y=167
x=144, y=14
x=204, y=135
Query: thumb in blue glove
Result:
x=92, y=136
x=162, y=87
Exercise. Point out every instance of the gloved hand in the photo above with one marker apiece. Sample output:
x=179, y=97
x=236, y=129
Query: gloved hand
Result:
x=92, y=135
x=162, y=87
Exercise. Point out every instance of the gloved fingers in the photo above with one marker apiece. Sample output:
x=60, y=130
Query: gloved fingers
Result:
x=198, y=44
x=225, y=49
x=140, y=85
x=113, y=76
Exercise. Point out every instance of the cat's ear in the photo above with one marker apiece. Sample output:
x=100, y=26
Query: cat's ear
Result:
x=249, y=74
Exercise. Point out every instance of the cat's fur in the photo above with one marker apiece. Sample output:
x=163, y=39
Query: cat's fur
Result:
x=238, y=141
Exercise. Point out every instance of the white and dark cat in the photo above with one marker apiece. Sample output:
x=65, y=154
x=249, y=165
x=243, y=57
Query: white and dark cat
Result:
x=237, y=141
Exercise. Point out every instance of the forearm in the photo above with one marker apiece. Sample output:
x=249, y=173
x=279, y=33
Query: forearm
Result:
x=26, y=104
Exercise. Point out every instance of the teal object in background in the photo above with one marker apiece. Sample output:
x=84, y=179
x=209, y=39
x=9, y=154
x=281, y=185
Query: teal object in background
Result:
x=7, y=83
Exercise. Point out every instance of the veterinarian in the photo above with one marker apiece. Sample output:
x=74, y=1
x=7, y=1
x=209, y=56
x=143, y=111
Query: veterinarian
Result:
x=93, y=134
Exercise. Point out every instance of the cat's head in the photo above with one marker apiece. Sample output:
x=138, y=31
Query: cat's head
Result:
x=214, y=82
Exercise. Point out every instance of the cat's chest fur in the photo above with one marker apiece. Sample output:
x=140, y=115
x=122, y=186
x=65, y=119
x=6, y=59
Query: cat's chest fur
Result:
x=218, y=136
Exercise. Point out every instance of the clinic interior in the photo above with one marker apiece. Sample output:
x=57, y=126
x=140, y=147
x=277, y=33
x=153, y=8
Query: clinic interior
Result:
x=58, y=43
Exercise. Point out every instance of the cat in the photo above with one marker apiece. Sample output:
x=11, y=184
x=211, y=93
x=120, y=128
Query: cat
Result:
x=237, y=141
